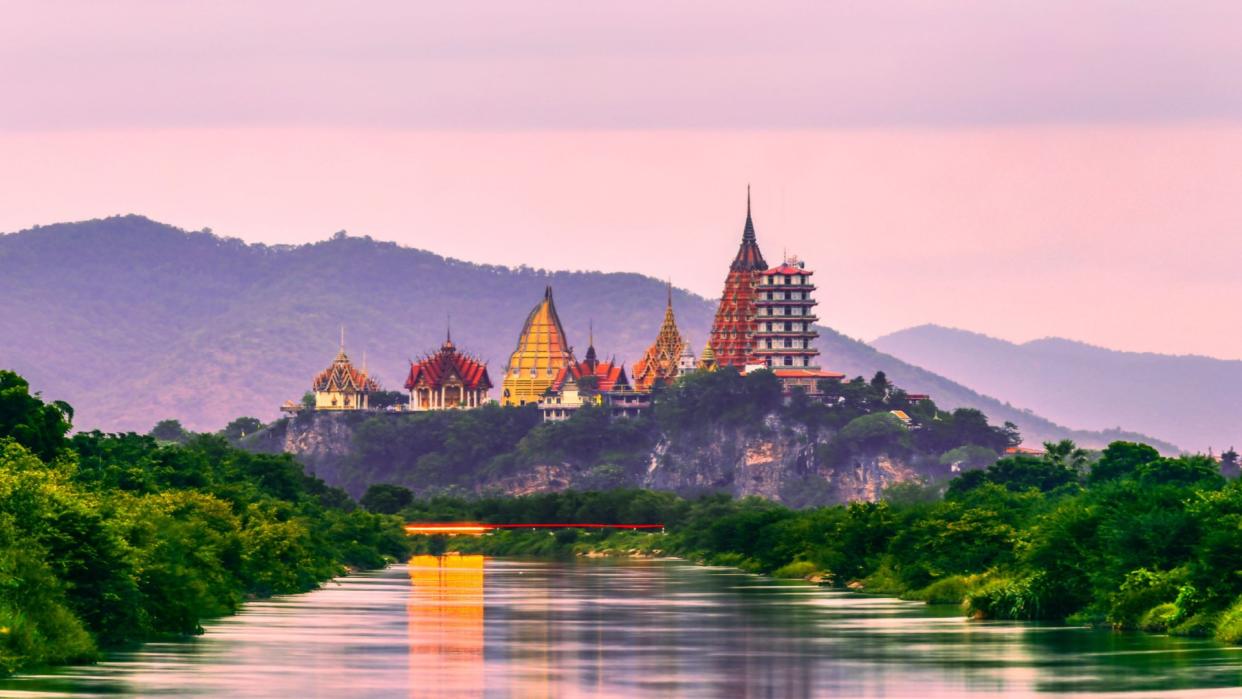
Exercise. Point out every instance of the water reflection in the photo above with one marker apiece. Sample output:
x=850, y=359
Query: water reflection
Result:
x=446, y=626
x=465, y=626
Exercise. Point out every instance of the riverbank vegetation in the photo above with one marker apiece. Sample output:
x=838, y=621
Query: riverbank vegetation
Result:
x=110, y=539
x=1124, y=538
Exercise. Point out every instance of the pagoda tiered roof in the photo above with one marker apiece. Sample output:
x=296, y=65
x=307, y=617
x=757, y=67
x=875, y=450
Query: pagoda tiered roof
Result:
x=437, y=369
x=343, y=377
x=663, y=357
x=733, y=329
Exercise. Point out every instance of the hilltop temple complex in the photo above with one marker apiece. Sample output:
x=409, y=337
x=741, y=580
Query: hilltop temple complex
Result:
x=765, y=320
x=447, y=380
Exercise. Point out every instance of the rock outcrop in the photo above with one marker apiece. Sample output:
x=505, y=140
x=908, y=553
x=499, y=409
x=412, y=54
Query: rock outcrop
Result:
x=773, y=459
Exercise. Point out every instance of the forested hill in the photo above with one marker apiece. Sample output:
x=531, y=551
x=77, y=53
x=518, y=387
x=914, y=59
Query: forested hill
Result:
x=131, y=320
x=1187, y=399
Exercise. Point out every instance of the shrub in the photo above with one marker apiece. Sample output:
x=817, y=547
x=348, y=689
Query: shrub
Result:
x=798, y=570
x=1156, y=620
x=950, y=590
x=1008, y=598
x=1229, y=628
x=1141, y=590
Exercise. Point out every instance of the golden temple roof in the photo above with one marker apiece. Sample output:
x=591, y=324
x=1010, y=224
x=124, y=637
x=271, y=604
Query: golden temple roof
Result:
x=542, y=351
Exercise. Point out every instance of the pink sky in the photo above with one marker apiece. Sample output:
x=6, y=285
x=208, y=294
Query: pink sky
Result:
x=1017, y=169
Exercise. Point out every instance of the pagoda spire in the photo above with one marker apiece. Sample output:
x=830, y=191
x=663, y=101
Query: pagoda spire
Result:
x=592, y=360
x=748, y=259
x=748, y=232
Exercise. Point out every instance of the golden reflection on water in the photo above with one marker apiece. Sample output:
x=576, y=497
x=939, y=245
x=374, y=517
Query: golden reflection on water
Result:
x=446, y=626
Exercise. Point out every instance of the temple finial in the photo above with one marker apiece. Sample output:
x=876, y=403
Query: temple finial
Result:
x=747, y=200
x=448, y=327
x=342, y=337
x=670, y=293
x=591, y=333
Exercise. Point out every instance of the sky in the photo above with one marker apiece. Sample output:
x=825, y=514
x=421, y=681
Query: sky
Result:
x=1022, y=169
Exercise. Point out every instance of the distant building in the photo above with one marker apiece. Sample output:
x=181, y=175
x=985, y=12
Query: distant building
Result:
x=342, y=386
x=447, y=380
x=542, y=351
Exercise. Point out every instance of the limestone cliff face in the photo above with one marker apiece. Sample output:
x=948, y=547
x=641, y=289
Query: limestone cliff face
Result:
x=320, y=440
x=772, y=460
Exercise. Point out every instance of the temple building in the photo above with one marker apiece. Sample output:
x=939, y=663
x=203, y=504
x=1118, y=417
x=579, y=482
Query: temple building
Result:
x=604, y=376
x=663, y=360
x=447, y=380
x=342, y=386
x=733, y=330
x=592, y=382
x=785, y=315
x=542, y=352
x=785, y=337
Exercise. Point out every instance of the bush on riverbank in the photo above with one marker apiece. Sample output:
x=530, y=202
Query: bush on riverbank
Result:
x=1125, y=538
x=112, y=539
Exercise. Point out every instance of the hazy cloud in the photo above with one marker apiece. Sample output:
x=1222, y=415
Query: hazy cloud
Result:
x=540, y=64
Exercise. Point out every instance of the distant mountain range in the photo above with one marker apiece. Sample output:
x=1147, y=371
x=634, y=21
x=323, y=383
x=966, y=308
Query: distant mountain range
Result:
x=133, y=321
x=1189, y=400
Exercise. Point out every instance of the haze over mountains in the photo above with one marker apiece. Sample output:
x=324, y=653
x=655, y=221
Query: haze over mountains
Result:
x=132, y=321
x=1189, y=400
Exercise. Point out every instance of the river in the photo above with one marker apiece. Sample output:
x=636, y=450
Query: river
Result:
x=463, y=626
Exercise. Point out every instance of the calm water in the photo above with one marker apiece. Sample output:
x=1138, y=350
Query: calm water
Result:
x=460, y=626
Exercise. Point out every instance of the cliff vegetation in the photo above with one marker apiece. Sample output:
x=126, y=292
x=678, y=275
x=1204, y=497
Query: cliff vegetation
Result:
x=709, y=432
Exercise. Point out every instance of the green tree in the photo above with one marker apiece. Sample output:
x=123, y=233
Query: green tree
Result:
x=39, y=427
x=385, y=498
x=239, y=428
x=1121, y=459
x=1067, y=455
x=170, y=431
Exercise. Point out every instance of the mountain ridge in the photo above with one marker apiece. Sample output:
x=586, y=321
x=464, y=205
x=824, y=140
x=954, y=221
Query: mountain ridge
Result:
x=1187, y=399
x=132, y=320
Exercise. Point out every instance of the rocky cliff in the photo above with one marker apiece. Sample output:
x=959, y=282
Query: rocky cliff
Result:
x=773, y=459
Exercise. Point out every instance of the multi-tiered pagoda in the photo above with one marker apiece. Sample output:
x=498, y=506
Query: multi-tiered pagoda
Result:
x=542, y=352
x=665, y=358
x=733, y=331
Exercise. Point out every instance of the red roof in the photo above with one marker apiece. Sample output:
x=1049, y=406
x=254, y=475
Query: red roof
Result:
x=611, y=375
x=788, y=373
x=787, y=268
x=441, y=367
